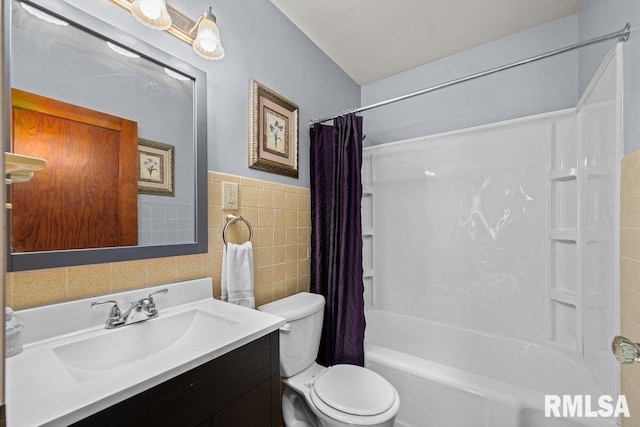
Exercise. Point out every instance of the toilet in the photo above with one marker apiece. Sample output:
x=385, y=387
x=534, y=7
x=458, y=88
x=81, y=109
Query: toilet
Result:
x=340, y=395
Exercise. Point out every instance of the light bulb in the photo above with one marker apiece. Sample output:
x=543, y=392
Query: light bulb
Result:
x=151, y=9
x=208, y=45
x=152, y=13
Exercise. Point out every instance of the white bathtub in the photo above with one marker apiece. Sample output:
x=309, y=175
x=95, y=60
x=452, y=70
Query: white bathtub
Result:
x=452, y=377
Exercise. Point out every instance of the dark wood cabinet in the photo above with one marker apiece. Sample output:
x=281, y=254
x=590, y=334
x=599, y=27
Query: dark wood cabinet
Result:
x=240, y=388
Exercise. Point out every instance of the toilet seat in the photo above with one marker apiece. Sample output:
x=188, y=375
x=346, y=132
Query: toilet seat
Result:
x=355, y=395
x=354, y=390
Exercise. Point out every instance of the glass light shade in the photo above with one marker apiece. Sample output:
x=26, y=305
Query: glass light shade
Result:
x=152, y=13
x=207, y=43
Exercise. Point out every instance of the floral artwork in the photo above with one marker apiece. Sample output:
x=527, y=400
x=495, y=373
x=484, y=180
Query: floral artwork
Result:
x=276, y=139
x=155, y=168
x=151, y=167
x=273, y=141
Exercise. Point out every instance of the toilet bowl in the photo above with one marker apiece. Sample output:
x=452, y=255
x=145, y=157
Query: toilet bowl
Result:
x=340, y=395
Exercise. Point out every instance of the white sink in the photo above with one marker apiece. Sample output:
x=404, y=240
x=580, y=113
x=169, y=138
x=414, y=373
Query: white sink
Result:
x=72, y=367
x=92, y=356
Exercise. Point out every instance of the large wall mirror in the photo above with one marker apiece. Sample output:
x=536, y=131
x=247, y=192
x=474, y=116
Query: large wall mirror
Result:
x=122, y=126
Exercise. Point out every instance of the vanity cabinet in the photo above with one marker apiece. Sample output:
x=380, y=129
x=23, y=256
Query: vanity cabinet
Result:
x=240, y=388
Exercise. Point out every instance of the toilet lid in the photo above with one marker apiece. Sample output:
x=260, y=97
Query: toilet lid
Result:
x=354, y=390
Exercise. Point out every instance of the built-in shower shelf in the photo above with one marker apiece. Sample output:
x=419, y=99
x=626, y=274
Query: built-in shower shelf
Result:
x=563, y=296
x=564, y=235
x=596, y=171
x=582, y=185
x=368, y=253
x=563, y=174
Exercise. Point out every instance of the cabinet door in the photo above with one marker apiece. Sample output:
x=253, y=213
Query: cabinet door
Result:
x=205, y=423
x=252, y=409
x=240, y=388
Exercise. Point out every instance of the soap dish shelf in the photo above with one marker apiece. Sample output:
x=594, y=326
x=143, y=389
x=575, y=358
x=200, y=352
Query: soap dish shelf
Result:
x=21, y=169
x=22, y=165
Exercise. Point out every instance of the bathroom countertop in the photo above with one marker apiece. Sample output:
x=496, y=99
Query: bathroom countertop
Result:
x=41, y=390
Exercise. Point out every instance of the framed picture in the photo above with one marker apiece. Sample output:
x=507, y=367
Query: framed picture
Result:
x=155, y=168
x=273, y=141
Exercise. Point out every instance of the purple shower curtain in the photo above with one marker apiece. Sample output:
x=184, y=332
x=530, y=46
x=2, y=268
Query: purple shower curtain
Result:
x=336, y=238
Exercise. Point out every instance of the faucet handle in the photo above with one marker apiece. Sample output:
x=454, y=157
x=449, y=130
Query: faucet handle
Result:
x=161, y=291
x=149, y=305
x=115, y=313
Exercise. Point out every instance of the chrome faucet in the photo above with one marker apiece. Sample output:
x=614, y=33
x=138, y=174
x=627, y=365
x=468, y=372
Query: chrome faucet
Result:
x=138, y=311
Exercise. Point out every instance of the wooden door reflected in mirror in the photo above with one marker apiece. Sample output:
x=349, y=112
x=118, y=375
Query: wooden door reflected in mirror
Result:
x=86, y=197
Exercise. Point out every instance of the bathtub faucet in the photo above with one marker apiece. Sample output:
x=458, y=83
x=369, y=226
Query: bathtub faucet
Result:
x=138, y=311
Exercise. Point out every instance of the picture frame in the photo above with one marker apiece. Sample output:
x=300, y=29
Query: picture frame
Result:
x=273, y=134
x=156, y=168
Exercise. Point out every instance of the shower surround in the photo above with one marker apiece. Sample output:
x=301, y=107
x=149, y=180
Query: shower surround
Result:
x=491, y=263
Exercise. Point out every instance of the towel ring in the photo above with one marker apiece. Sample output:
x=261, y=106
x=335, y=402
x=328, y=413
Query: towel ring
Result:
x=231, y=219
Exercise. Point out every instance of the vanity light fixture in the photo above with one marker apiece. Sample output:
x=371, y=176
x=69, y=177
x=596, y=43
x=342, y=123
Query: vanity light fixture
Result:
x=152, y=13
x=207, y=43
x=203, y=35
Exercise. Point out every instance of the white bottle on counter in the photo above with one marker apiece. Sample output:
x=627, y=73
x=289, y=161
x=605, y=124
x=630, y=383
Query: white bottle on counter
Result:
x=13, y=326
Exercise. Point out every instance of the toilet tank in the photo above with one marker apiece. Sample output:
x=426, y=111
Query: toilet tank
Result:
x=300, y=337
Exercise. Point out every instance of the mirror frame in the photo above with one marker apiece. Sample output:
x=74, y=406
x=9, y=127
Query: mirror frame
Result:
x=94, y=26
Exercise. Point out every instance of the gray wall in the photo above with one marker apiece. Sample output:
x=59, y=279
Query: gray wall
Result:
x=535, y=88
x=260, y=43
x=597, y=17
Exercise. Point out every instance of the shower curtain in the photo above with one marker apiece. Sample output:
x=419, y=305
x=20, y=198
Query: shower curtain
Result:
x=336, y=238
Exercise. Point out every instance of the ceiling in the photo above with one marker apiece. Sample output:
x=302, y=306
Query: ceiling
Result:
x=374, y=39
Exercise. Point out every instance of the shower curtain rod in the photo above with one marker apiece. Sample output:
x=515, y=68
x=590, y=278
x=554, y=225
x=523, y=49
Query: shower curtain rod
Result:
x=622, y=34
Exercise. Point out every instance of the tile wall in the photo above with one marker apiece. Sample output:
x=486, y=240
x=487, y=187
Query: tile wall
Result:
x=163, y=221
x=630, y=279
x=280, y=215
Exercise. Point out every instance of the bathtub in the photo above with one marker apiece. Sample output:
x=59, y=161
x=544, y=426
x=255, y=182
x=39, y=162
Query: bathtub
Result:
x=451, y=377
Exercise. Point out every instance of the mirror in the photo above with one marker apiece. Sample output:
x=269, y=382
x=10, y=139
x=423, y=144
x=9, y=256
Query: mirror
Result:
x=122, y=126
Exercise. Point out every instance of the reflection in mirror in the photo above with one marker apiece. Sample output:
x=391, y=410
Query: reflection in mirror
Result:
x=83, y=100
x=86, y=197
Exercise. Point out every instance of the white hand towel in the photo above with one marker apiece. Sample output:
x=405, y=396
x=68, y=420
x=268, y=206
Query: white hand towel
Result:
x=237, y=274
